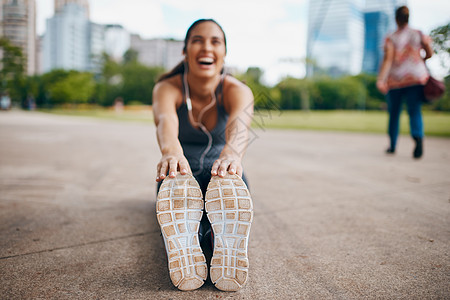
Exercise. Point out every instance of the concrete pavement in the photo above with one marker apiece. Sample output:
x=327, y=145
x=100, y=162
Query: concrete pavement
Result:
x=335, y=218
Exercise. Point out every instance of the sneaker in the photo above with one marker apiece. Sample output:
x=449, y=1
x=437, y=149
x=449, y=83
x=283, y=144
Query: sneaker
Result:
x=230, y=210
x=179, y=209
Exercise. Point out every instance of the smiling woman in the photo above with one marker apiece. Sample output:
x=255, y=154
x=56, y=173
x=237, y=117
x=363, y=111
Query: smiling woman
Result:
x=202, y=116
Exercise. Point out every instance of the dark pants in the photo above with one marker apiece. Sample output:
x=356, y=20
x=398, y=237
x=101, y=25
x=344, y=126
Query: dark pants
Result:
x=414, y=97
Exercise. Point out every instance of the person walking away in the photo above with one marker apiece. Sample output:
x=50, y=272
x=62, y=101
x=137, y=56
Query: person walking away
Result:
x=402, y=76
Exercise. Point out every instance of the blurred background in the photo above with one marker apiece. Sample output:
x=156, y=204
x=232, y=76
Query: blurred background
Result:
x=294, y=54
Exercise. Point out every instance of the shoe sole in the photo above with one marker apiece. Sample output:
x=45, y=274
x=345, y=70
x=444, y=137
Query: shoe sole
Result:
x=179, y=209
x=229, y=209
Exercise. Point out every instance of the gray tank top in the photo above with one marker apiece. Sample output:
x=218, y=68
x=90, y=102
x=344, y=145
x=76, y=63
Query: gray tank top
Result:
x=194, y=141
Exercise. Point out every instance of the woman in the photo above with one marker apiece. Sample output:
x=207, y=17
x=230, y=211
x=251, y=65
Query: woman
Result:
x=402, y=75
x=202, y=118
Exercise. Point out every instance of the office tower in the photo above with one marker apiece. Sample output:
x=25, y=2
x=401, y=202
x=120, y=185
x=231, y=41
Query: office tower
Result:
x=96, y=47
x=117, y=41
x=379, y=22
x=66, y=40
x=376, y=28
x=59, y=5
x=18, y=25
x=335, y=37
x=164, y=53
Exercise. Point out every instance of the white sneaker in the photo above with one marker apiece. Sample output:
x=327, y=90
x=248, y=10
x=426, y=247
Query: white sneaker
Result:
x=179, y=209
x=230, y=210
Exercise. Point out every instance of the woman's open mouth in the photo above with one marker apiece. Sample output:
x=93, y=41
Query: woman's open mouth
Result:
x=206, y=61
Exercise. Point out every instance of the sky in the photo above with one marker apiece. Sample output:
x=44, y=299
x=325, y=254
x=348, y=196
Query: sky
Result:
x=270, y=34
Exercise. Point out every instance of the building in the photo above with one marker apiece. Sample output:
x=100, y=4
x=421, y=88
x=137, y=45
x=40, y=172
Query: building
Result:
x=376, y=28
x=335, y=37
x=59, y=5
x=66, y=40
x=72, y=42
x=165, y=53
x=18, y=24
x=117, y=41
x=96, y=47
x=379, y=19
x=347, y=36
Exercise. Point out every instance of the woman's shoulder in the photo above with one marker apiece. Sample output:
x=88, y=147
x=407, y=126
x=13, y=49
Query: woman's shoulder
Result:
x=233, y=85
x=171, y=83
x=168, y=90
x=236, y=94
x=169, y=86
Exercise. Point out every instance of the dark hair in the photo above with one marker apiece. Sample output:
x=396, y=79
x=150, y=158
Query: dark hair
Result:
x=179, y=69
x=402, y=15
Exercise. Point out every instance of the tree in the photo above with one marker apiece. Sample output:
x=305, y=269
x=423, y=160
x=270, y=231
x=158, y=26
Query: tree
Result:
x=12, y=69
x=130, y=80
x=294, y=93
x=340, y=93
x=138, y=82
x=441, y=44
x=76, y=88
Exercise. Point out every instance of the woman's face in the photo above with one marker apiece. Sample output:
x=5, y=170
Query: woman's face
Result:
x=205, y=50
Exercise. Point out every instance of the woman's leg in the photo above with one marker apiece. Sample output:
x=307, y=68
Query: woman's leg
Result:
x=414, y=99
x=394, y=99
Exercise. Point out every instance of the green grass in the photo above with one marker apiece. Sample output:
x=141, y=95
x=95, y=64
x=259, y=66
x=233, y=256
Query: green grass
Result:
x=435, y=123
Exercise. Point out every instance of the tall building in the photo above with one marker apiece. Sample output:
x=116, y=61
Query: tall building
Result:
x=117, y=41
x=66, y=42
x=335, y=36
x=96, y=47
x=59, y=5
x=18, y=24
x=164, y=53
x=376, y=28
x=379, y=20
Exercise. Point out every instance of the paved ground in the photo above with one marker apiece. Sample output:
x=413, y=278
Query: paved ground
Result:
x=334, y=217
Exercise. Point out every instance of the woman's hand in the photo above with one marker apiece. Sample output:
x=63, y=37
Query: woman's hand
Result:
x=382, y=86
x=171, y=164
x=230, y=163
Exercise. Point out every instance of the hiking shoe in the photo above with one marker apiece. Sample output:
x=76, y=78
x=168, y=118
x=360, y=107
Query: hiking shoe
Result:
x=230, y=210
x=179, y=209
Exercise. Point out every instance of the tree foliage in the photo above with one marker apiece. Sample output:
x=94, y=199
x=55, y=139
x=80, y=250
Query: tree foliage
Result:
x=12, y=70
x=441, y=44
x=76, y=87
x=130, y=80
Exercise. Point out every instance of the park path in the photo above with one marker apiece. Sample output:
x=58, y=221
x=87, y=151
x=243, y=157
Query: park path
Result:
x=335, y=218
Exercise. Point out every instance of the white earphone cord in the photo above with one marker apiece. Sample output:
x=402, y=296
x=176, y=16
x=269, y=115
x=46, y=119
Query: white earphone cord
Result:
x=199, y=122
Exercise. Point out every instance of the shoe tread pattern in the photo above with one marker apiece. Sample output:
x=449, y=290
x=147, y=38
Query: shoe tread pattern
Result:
x=229, y=209
x=179, y=209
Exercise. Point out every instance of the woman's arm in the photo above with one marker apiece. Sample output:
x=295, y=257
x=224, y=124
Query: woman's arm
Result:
x=238, y=100
x=385, y=67
x=165, y=97
x=426, y=44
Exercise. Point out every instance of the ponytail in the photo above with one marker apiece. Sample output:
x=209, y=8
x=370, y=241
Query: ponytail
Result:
x=178, y=69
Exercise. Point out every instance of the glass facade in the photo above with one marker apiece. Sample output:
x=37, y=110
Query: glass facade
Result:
x=376, y=28
x=335, y=37
x=347, y=36
x=72, y=42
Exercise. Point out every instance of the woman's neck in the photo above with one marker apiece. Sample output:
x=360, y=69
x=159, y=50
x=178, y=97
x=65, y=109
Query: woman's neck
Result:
x=401, y=27
x=200, y=87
